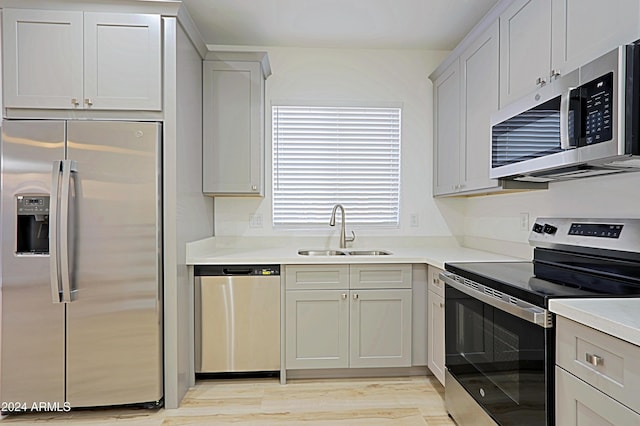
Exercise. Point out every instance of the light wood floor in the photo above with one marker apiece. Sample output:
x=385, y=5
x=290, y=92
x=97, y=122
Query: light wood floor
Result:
x=396, y=401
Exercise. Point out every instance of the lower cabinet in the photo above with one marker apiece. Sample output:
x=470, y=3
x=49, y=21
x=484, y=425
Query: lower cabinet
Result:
x=380, y=328
x=317, y=329
x=580, y=404
x=597, y=377
x=435, y=325
x=435, y=336
x=351, y=327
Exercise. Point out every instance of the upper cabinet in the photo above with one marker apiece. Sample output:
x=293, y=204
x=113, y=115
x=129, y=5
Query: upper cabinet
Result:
x=525, y=48
x=582, y=30
x=446, y=100
x=233, y=123
x=543, y=39
x=81, y=60
x=479, y=89
x=465, y=95
x=518, y=46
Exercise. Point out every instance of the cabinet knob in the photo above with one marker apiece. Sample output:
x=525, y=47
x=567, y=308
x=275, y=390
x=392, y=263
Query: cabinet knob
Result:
x=593, y=359
x=254, y=187
x=555, y=74
x=88, y=101
x=344, y=296
x=540, y=81
x=441, y=305
x=75, y=102
x=355, y=296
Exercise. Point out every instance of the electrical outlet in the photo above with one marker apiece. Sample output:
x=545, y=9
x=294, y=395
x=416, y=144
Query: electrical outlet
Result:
x=524, y=221
x=413, y=220
x=255, y=221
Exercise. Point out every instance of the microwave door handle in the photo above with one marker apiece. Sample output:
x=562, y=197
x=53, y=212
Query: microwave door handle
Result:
x=68, y=166
x=565, y=103
x=54, y=269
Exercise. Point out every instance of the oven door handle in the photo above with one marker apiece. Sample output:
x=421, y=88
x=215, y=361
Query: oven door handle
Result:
x=533, y=314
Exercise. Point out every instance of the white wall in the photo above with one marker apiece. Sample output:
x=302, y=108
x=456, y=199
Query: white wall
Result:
x=493, y=221
x=347, y=77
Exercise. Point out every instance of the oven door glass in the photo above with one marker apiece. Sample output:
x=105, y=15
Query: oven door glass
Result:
x=500, y=359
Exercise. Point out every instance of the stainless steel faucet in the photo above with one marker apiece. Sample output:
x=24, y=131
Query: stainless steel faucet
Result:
x=332, y=222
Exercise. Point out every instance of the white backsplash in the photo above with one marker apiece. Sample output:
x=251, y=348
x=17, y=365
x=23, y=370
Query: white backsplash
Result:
x=493, y=222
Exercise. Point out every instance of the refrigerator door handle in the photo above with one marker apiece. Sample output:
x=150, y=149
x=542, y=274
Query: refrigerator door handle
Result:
x=54, y=270
x=68, y=167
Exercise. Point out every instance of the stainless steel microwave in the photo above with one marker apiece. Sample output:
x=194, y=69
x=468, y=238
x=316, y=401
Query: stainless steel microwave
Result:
x=584, y=123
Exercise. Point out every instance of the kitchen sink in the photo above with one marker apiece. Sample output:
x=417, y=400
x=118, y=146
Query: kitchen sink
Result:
x=323, y=252
x=368, y=253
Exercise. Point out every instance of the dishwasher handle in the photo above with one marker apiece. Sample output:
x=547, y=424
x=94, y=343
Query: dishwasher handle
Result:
x=236, y=270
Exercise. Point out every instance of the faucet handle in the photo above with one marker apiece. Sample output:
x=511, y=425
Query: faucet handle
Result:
x=351, y=238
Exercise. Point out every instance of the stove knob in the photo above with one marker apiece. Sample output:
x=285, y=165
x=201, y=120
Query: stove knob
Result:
x=537, y=228
x=549, y=229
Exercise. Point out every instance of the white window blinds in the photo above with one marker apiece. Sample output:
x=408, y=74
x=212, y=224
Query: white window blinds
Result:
x=325, y=155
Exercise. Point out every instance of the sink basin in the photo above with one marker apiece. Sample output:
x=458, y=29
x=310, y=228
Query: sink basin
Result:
x=325, y=252
x=369, y=253
x=321, y=253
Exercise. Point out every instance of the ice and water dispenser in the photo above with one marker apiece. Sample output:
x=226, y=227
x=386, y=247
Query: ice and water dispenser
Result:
x=33, y=224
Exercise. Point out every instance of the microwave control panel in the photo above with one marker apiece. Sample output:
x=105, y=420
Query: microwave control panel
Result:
x=598, y=98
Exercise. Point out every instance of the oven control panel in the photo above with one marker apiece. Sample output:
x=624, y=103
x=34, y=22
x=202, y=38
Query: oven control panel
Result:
x=601, y=230
x=621, y=234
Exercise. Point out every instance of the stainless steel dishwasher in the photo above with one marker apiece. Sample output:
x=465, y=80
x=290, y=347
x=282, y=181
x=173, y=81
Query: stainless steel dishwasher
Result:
x=237, y=322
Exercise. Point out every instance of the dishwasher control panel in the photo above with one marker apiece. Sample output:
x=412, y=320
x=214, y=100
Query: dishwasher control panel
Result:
x=236, y=270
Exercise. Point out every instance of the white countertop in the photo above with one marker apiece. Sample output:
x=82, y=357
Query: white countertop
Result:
x=619, y=317
x=209, y=252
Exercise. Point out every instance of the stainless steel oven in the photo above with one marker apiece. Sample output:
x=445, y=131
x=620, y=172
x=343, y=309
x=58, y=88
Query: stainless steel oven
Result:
x=500, y=349
x=499, y=334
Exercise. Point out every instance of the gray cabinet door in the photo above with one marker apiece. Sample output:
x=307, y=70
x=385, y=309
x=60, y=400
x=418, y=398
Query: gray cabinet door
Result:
x=435, y=336
x=123, y=61
x=582, y=30
x=317, y=329
x=579, y=404
x=479, y=87
x=525, y=48
x=42, y=58
x=446, y=99
x=380, y=328
x=233, y=132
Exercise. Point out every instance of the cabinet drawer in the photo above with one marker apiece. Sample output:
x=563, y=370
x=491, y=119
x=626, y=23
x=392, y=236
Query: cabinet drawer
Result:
x=606, y=362
x=435, y=283
x=578, y=403
x=380, y=276
x=317, y=277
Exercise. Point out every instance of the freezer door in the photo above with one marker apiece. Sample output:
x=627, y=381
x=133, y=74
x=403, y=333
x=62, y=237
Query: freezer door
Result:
x=32, y=359
x=114, y=322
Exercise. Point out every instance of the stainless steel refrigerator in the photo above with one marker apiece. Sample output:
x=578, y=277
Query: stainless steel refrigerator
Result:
x=81, y=263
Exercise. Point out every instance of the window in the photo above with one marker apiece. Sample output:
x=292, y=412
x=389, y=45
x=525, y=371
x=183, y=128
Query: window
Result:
x=325, y=155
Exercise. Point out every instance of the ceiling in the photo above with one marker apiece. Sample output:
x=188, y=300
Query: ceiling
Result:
x=411, y=24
